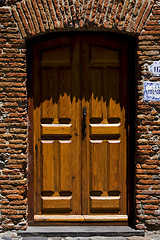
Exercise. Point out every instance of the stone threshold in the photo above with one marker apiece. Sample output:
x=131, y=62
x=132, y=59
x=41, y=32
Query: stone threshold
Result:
x=80, y=231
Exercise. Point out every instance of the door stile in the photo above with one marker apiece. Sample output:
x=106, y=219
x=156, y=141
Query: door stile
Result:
x=85, y=139
x=37, y=123
x=76, y=122
x=125, y=123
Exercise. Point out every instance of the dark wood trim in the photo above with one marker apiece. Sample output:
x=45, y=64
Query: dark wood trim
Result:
x=30, y=87
x=132, y=83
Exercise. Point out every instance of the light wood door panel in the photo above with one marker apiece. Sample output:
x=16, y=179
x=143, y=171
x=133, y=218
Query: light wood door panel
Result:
x=80, y=177
x=58, y=112
x=104, y=147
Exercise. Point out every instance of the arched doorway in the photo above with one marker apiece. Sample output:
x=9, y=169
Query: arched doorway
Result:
x=81, y=129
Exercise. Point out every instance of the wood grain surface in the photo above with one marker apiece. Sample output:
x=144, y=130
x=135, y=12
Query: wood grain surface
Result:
x=81, y=178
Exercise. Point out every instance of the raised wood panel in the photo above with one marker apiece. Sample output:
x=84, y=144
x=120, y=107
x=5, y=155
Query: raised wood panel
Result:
x=56, y=129
x=56, y=203
x=50, y=64
x=65, y=86
x=47, y=90
x=114, y=166
x=56, y=93
x=48, y=166
x=105, y=129
x=113, y=91
x=66, y=168
x=96, y=93
x=103, y=55
x=105, y=203
x=58, y=55
x=98, y=166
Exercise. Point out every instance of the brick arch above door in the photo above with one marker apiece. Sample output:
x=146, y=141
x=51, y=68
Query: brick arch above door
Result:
x=36, y=17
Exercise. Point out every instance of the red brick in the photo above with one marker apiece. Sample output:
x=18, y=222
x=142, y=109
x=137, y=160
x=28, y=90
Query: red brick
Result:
x=22, y=19
x=151, y=207
x=13, y=197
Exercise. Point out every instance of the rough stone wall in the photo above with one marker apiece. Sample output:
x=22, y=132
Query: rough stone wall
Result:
x=20, y=20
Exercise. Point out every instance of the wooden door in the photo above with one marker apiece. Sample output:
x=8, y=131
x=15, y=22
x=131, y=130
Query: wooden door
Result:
x=80, y=130
x=104, y=147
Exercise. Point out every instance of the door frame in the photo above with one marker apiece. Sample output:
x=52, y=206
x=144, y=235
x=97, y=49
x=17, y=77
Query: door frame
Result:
x=130, y=41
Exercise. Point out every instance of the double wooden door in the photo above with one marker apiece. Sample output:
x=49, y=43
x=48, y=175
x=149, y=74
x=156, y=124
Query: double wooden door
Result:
x=80, y=130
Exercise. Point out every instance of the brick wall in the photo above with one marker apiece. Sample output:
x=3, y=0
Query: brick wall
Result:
x=13, y=123
x=148, y=128
x=21, y=20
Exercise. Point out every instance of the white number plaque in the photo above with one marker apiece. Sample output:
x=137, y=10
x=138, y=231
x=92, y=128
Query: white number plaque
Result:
x=155, y=68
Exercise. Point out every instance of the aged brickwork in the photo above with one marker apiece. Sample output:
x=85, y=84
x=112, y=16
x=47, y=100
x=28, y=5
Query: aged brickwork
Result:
x=13, y=123
x=20, y=20
x=148, y=129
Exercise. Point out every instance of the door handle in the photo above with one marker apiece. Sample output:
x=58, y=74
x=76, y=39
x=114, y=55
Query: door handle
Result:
x=84, y=126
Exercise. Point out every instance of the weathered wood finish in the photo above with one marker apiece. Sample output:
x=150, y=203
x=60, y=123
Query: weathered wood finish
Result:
x=56, y=129
x=104, y=147
x=78, y=178
x=57, y=108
